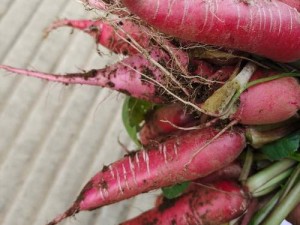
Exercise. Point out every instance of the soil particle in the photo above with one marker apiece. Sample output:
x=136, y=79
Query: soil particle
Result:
x=152, y=222
x=110, y=84
x=166, y=204
x=104, y=169
x=124, y=92
x=87, y=187
x=104, y=185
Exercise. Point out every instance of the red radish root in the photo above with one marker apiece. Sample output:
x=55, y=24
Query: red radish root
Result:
x=108, y=36
x=164, y=121
x=266, y=28
x=170, y=163
x=126, y=76
x=230, y=172
x=269, y=102
x=208, y=205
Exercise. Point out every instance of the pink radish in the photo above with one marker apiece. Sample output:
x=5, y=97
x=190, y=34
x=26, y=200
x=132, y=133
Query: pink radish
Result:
x=164, y=121
x=126, y=76
x=230, y=172
x=266, y=28
x=172, y=162
x=108, y=36
x=269, y=102
x=208, y=205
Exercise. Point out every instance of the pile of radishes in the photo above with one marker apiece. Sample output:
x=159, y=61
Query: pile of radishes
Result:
x=213, y=101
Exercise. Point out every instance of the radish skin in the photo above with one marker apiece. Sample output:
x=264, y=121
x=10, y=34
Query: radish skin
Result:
x=125, y=77
x=162, y=121
x=293, y=3
x=267, y=28
x=230, y=172
x=269, y=102
x=207, y=205
x=170, y=163
x=107, y=35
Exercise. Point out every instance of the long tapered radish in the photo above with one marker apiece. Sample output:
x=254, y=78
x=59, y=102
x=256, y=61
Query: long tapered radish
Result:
x=266, y=28
x=207, y=205
x=108, y=36
x=129, y=76
x=172, y=162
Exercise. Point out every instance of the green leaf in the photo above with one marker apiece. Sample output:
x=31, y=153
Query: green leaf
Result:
x=283, y=148
x=134, y=111
x=295, y=156
x=175, y=191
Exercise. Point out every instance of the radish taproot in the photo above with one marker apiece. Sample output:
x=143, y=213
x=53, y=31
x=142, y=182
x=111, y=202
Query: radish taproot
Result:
x=113, y=38
x=128, y=76
x=267, y=28
x=187, y=157
x=213, y=204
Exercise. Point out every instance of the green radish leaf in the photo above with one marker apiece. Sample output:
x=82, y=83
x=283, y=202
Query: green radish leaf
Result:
x=295, y=156
x=283, y=148
x=133, y=114
x=175, y=191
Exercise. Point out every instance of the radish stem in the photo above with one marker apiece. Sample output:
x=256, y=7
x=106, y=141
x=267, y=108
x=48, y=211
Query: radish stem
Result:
x=247, y=166
x=265, y=210
x=272, y=184
x=224, y=97
x=262, y=177
x=285, y=207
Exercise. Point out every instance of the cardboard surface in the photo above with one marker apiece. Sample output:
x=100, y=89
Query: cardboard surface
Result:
x=54, y=137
